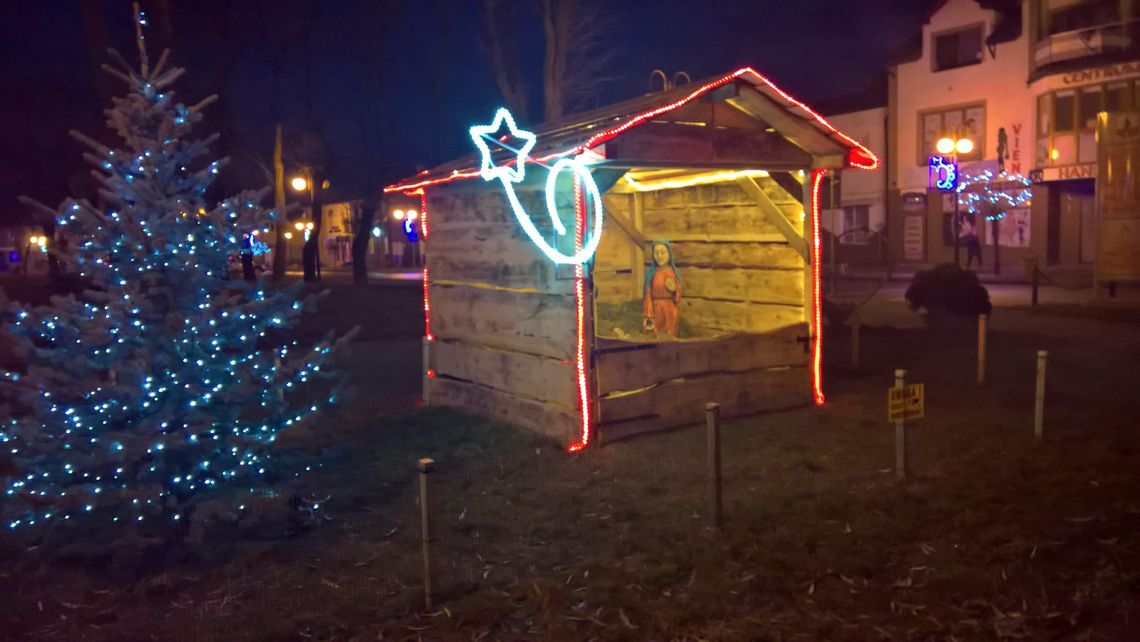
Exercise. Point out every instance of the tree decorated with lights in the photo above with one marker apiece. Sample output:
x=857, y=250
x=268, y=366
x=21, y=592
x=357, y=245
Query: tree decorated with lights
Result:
x=165, y=378
x=992, y=196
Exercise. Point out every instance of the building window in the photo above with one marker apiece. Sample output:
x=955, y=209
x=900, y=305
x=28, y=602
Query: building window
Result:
x=1066, y=119
x=968, y=120
x=958, y=48
x=856, y=218
x=1081, y=15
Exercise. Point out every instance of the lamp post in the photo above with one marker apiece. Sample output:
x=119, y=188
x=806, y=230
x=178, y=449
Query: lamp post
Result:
x=310, y=251
x=958, y=142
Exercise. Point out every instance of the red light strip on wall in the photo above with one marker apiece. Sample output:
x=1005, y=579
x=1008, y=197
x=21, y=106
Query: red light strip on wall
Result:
x=580, y=307
x=816, y=292
x=427, y=297
x=603, y=136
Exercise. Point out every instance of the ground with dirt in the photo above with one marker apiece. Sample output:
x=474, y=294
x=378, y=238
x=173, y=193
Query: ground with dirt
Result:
x=993, y=537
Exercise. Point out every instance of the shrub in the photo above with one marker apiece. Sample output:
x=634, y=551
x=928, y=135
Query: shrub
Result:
x=947, y=288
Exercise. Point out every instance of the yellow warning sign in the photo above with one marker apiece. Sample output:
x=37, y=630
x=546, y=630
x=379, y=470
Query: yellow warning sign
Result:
x=906, y=403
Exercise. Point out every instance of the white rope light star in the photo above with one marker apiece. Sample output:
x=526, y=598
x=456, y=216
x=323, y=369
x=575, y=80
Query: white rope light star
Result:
x=508, y=175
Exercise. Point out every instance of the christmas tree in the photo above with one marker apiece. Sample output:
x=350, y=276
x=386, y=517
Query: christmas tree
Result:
x=165, y=378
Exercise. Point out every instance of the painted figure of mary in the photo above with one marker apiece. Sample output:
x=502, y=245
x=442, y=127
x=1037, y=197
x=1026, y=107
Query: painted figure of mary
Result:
x=662, y=293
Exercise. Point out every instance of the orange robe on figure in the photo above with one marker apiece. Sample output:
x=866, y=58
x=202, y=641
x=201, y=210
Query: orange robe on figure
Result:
x=661, y=305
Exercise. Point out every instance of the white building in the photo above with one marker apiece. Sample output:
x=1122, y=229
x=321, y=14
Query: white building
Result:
x=1024, y=79
x=856, y=214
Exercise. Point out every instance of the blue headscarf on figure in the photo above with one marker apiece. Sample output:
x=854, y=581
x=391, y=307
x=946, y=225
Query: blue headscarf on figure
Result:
x=653, y=264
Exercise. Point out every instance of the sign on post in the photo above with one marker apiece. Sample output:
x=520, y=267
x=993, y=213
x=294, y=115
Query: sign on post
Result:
x=907, y=403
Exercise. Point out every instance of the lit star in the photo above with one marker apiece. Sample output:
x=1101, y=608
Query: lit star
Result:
x=489, y=170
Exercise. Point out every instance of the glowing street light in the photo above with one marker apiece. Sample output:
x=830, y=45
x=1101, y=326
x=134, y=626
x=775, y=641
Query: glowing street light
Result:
x=412, y=214
x=299, y=226
x=945, y=146
x=398, y=215
x=299, y=183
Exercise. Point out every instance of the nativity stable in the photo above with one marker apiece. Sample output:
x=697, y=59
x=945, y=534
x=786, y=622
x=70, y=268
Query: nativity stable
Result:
x=612, y=272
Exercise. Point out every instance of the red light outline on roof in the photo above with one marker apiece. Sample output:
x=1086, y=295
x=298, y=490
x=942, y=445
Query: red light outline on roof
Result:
x=872, y=161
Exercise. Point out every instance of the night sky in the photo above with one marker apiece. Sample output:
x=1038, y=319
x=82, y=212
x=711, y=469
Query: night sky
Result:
x=390, y=86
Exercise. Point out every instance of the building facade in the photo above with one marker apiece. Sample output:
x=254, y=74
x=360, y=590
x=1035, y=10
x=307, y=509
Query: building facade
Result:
x=1024, y=81
x=855, y=215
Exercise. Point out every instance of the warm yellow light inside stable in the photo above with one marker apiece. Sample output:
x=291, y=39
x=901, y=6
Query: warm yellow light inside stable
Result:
x=398, y=215
x=944, y=146
x=309, y=225
x=1054, y=153
x=299, y=183
x=299, y=225
x=964, y=146
x=646, y=184
x=288, y=235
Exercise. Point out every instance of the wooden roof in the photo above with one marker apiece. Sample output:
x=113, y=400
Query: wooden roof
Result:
x=743, y=96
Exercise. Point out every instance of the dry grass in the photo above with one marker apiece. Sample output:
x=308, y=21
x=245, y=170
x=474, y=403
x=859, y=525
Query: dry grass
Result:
x=993, y=538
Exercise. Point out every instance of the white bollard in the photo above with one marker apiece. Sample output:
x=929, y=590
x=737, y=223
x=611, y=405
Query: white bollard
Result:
x=1039, y=411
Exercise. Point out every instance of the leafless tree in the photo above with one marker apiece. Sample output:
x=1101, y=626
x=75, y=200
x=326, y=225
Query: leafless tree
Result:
x=579, y=49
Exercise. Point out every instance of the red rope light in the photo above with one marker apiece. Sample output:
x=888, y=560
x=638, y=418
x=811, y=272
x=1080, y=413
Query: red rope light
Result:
x=580, y=307
x=816, y=292
x=860, y=156
x=427, y=296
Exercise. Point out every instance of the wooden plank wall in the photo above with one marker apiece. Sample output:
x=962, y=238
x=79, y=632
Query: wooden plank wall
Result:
x=738, y=272
x=739, y=278
x=503, y=316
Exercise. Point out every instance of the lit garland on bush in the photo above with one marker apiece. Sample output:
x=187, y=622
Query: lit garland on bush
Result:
x=149, y=387
x=981, y=194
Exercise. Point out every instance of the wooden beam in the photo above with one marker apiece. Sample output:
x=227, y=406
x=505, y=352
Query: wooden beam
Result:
x=774, y=215
x=628, y=227
x=805, y=136
x=637, y=255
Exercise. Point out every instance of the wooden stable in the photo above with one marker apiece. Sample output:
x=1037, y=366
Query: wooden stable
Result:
x=725, y=171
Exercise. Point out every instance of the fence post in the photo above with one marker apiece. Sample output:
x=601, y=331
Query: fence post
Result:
x=427, y=536
x=982, y=318
x=855, y=344
x=712, y=423
x=427, y=371
x=1039, y=411
x=900, y=431
x=1036, y=280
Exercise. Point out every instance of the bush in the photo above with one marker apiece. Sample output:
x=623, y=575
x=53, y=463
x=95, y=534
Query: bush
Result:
x=948, y=288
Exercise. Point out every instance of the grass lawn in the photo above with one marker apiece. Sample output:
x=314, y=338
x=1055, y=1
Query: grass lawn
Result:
x=992, y=538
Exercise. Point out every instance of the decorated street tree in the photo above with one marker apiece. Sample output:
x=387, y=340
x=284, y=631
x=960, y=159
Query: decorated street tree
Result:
x=992, y=196
x=165, y=378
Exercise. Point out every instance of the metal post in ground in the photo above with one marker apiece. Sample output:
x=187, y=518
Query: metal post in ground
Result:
x=900, y=430
x=426, y=466
x=712, y=423
x=982, y=318
x=1036, y=280
x=1039, y=410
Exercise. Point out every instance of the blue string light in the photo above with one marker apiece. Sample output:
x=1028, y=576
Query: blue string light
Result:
x=154, y=385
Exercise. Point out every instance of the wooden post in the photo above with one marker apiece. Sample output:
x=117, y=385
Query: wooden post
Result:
x=426, y=467
x=712, y=423
x=1039, y=411
x=1036, y=280
x=855, y=344
x=900, y=431
x=427, y=371
x=982, y=348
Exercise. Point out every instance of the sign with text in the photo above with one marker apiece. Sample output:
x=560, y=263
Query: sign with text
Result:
x=1118, y=192
x=907, y=403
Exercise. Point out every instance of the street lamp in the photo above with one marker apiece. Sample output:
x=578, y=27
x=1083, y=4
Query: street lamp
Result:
x=958, y=142
x=299, y=183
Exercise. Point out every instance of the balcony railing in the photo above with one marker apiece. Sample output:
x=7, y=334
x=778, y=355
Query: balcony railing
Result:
x=1069, y=45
